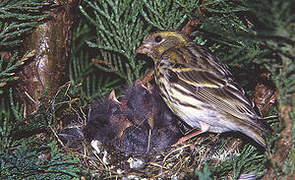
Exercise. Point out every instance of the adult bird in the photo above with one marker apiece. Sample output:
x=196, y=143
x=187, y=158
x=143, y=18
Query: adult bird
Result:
x=199, y=88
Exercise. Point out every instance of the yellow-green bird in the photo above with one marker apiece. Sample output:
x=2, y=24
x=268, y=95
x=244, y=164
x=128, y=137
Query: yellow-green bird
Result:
x=199, y=88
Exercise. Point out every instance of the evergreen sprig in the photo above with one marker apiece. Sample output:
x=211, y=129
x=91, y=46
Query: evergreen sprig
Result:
x=9, y=67
x=21, y=154
x=275, y=30
x=225, y=31
x=248, y=161
x=165, y=15
x=24, y=163
x=18, y=18
x=89, y=82
x=119, y=30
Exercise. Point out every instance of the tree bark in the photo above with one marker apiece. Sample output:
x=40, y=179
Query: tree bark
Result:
x=51, y=41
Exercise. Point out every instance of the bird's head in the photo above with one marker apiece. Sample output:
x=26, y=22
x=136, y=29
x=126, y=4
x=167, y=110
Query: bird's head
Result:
x=155, y=44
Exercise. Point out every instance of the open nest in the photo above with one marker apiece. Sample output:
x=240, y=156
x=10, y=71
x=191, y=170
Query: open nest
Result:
x=175, y=161
x=107, y=155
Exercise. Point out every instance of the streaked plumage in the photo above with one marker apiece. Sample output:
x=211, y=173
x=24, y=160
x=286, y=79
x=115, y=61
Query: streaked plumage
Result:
x=198, y=87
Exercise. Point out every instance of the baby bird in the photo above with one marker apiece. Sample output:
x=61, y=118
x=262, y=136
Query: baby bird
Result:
x=107, y=120
x=141, y=105
x=199, y=88
x=139, y=124
x=154, y=127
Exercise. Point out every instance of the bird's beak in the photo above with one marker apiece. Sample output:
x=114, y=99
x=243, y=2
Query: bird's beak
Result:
x=112, y=97
x=138, y=82
x=144, y=49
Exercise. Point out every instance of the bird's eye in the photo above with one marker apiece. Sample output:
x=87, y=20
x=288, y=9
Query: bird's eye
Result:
x=158, y=39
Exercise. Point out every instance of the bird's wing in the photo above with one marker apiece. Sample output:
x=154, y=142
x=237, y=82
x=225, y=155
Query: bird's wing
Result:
x=212, y=83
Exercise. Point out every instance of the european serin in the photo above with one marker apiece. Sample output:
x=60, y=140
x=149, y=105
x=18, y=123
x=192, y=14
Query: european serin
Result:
x=198, y=87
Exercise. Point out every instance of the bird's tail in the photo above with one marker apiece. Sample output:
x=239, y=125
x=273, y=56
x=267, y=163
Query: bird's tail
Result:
x=257, y=133
x=260, y=129
x=258, y=136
